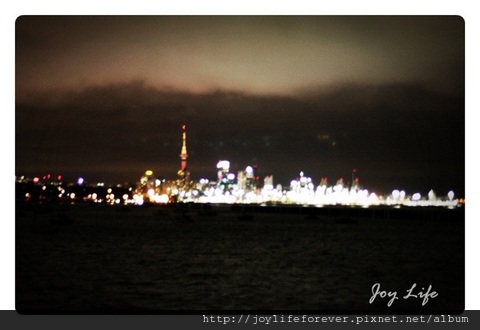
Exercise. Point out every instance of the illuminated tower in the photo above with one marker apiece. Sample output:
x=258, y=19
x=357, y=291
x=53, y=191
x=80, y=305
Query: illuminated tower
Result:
x=183, y=154
x=183, y=173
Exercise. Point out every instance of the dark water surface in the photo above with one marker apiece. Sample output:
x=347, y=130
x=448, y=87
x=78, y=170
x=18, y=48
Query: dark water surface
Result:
x=139, y=260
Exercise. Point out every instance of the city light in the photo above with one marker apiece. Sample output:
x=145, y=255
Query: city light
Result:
x=241, y=187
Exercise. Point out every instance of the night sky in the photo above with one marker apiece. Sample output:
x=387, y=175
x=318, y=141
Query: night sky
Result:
x=105, y=97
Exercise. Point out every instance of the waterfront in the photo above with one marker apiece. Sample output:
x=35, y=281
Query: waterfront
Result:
x=193, y=259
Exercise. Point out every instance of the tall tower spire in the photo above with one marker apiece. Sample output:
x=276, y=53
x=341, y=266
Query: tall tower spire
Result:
x=183, y=153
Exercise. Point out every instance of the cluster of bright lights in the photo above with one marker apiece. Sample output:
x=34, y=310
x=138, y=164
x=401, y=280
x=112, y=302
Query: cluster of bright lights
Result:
x=321, y=196
x=400, y=198
x=110, y=198
x=303, y=192
x=156, y=198
x=242, y=189
x=161, y=198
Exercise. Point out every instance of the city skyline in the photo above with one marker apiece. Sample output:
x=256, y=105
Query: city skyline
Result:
x=104, y=97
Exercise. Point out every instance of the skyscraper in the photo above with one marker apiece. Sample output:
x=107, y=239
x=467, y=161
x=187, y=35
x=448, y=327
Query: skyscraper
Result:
x=183, y=174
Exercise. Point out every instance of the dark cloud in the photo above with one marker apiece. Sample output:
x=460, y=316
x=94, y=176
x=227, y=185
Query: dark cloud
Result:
x=396, y=135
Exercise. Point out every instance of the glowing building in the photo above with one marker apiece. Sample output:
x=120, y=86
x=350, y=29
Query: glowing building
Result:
x=250, y=177
x=241, y=180
x=224, y=178
x=246, y=179
x=183, y=174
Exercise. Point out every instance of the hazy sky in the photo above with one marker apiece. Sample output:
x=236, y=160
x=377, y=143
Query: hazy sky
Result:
x=254, y=54
x=105, y=97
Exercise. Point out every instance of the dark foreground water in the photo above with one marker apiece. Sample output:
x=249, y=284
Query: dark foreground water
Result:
x=152, y=260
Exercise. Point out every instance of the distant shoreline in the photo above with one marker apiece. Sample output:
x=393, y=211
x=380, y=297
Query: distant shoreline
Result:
x=336, y=212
